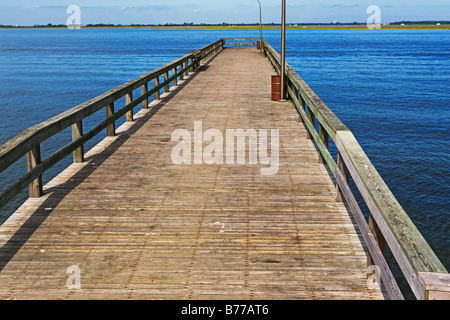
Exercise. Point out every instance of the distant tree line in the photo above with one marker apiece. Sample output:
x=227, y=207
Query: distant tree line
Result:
x=420, y=22
x=224, y=24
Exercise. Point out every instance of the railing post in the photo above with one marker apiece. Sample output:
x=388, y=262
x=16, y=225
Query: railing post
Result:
x=302, y=102
x=324, y=136
x=312, y=119
x=182, y=73
x=344, y=170
x=175, y=71
x=144, y=92
x=191, y=65
x=379, y=238
x=128, y=100
x=33, y=159
x=186, y=64
x=111, y=129
x=156, y=84
x=77, y=132
x=166, y=77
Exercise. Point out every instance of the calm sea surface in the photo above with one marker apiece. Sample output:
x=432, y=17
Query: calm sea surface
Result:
x=391, y=88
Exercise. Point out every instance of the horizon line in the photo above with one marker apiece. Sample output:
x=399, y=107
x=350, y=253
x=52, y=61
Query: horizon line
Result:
x=291, y=24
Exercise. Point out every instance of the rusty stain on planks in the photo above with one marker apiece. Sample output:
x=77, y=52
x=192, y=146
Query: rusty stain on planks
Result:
x=140, y=227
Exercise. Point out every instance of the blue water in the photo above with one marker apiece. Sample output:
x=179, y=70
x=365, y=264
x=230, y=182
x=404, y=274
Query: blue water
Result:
x=391, y=88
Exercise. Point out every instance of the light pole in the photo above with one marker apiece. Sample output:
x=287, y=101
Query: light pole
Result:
x=283, y=51
x=260, y=27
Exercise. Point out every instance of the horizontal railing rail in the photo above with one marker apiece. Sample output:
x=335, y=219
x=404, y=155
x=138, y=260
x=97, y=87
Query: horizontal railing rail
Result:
x=28, y=142
x=241, y=42
x=388, y=224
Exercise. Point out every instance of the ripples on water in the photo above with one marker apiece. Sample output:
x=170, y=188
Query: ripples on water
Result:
x=391, y=88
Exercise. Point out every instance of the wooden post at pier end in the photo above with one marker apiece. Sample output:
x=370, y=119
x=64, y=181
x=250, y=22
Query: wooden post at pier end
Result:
x=436, y=285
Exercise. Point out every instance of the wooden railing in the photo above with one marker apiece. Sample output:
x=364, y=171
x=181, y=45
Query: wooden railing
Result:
x=29, y=141
x=389, y=224
x=241, y=42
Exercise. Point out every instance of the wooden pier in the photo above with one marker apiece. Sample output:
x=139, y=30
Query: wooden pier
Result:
x=134, y=225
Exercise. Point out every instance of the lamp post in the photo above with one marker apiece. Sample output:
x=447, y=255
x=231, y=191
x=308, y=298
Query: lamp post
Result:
x=283, y=51
x=260, y=27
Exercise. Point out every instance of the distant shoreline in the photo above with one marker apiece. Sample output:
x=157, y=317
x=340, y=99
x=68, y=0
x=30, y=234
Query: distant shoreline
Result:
x=249, y=27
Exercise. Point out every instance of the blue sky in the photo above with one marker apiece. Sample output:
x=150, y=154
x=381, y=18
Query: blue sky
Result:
x=29, y=12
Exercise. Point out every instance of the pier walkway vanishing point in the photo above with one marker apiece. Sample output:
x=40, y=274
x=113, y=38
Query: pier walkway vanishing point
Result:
x=126, y=222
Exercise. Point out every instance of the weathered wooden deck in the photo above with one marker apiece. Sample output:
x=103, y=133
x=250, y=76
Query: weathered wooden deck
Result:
x=140, y=227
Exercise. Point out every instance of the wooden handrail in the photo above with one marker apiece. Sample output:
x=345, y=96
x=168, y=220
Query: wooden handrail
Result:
x=249, y=42
x=28, y=142
x=388, y=222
